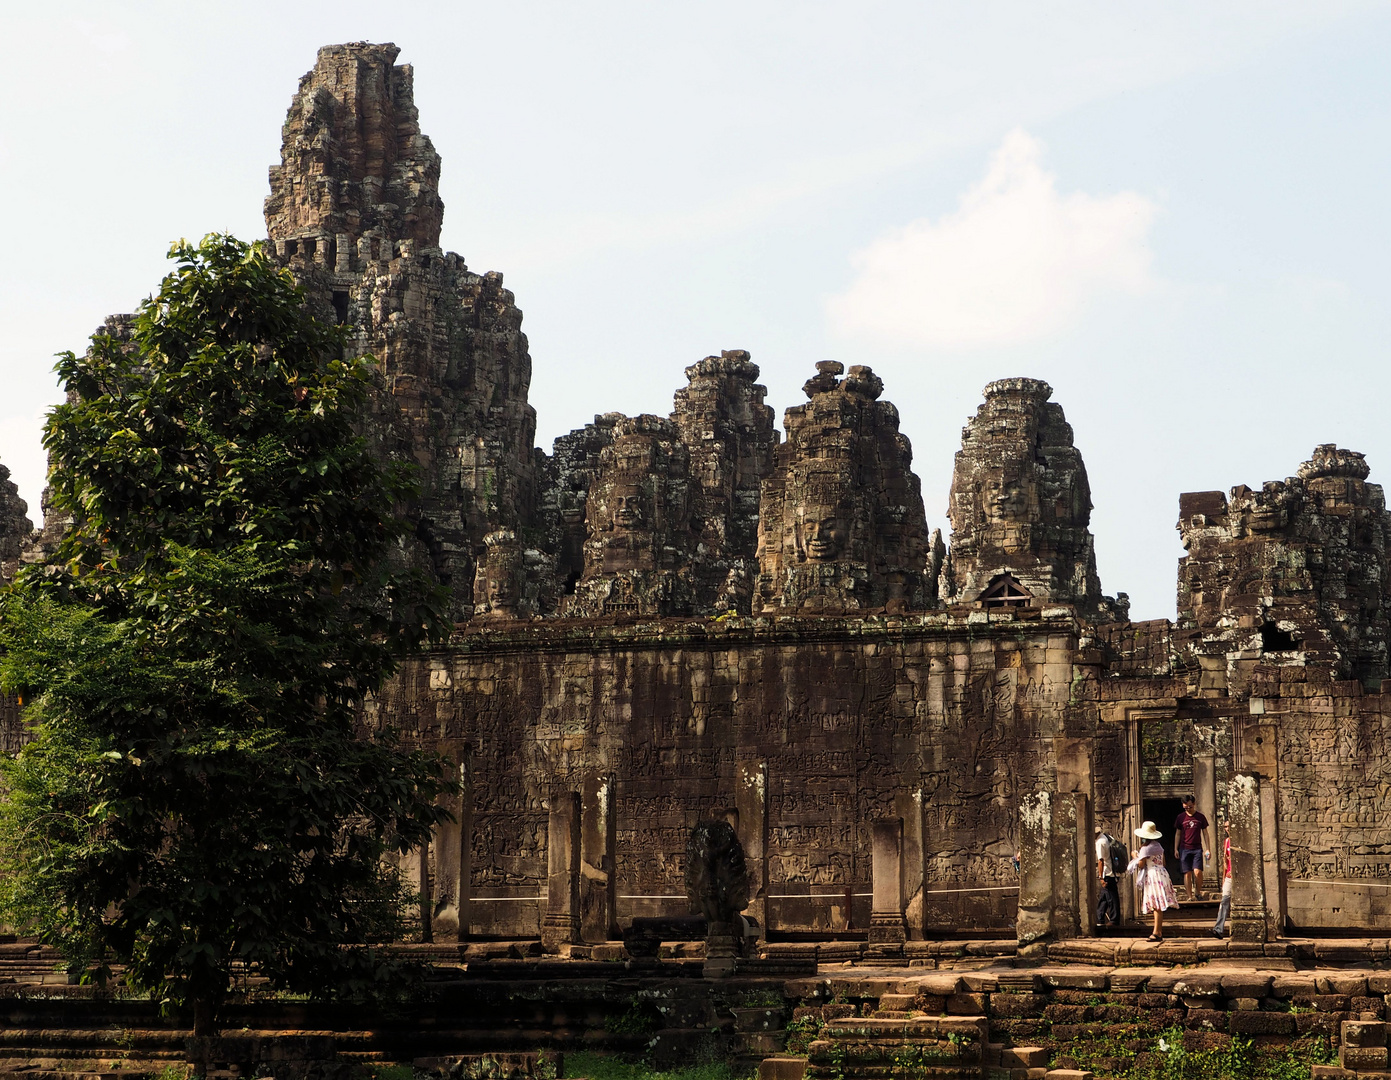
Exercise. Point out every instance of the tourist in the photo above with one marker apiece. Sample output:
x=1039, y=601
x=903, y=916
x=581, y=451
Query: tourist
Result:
x=1225, y=907
x=1152, y=878
x=1191, y=846
x=1108, y=904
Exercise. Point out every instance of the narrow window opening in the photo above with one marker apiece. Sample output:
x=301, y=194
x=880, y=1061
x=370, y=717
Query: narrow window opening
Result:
x=340, y=305
x=331, y=253
x=291, y=248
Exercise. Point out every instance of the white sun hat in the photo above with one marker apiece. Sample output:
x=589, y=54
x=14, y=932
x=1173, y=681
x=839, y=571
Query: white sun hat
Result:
x=1149, y=831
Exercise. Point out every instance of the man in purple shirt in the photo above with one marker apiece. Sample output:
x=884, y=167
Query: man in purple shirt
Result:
x=1191, y=846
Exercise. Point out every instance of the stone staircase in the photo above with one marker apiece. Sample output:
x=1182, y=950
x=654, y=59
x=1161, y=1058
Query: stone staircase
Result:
x=29, y=962
x=899, y=1036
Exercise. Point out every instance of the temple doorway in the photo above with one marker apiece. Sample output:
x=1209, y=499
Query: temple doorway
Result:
x=1164, y=812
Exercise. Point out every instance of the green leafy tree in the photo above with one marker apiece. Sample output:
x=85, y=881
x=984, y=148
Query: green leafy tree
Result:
x=195, y=654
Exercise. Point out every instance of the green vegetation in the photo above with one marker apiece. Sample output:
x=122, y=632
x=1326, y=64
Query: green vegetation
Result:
x=802, y=1032
x=194, y=654
x=1167, y=1059
x=606, y=1067
x=393, y=1071
x=642, y=1018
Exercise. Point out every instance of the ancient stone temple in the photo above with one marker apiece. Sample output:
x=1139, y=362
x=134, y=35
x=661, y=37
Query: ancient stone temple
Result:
x=640, y=539
x=355, y=211
x=841, y=523
x=671, y=620
x=729, y=435
x=15, y=526
x=1292, y=574
x=1020, y=504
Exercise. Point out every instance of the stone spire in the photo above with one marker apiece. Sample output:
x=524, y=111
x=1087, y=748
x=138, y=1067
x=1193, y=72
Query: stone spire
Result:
x=15, y=526
x=730, y=437
x=639, y=545
x=1296, y=572
x=841, y=525
x=353, y=160
x=1020, y=505
x=355, y=212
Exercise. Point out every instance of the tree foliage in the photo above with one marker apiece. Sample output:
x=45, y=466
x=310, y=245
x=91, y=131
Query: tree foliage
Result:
x=195, y=654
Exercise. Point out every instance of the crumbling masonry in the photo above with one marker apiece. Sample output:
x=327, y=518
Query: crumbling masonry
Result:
x=669, y=619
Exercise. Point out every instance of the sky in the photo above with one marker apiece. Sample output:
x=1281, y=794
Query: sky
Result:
x=1175, y=214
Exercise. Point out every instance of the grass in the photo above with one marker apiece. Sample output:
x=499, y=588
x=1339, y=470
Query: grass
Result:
x=390, y=1072
x=604, y=1067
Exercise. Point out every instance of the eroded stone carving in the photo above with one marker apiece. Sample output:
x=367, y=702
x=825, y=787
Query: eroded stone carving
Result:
x=717, y=876
x=355, y=211
x=1293, y=573
x=15, y=526
x=841, y=523
x=729, y=436
x=500, y=583
x=639, y=538
x=1020, y=504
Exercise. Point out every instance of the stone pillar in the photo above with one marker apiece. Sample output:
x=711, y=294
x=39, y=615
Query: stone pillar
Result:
x=908, y=804
x=1053, y=857
x=1272, y=879
x=446, y=842
x=560, y=926
x=598, y=837
x=422, y=877
x=1248, y=917
x=751, y=804
x=1035, y=919
x=887, y=929
x=1088, y=887
x=1205, y=791
x=1067, y=914
x=465, y=840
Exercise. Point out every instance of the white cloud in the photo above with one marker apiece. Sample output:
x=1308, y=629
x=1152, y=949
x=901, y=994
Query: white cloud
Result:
x=1016, y=262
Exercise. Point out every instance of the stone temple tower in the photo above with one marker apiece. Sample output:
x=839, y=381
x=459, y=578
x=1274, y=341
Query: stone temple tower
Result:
x=354, y=209
x=1020, y=505
x=841, y=525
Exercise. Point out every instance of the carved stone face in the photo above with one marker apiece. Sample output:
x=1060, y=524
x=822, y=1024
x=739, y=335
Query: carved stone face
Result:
x=822, y=533
x=501, y=591
x=1004, y=499
x=628, y=509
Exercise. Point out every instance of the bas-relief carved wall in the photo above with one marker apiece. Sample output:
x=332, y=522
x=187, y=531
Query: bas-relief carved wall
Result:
x=1334, y=765
x=846, y=723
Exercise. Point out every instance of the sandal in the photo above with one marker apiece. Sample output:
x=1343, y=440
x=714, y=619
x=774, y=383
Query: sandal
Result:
x=1153, y=938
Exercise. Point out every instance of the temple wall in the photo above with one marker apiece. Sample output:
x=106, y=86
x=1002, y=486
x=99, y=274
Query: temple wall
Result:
x=943, y=722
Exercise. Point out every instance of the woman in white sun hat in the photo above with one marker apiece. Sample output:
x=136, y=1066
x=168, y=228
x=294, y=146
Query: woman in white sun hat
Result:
x=1152, y=878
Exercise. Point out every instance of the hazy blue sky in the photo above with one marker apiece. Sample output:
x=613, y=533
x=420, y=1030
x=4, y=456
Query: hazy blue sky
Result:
x=1177, y=214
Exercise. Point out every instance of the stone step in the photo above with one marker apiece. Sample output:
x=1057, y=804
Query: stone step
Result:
x=782, y=1067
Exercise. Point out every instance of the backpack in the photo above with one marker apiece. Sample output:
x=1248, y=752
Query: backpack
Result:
x=1120, y=857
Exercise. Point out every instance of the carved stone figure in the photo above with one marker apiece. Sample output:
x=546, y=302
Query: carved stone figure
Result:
x=1296, y=572
x=842, y=525
x=15, y=526
x=639, y=540
x=1020, y=506
x=717, y=877
x=354, y=210
x=729, y=435
x=500, y=582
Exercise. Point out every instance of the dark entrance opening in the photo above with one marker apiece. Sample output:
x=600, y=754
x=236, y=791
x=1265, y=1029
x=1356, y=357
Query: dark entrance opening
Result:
x=1163, y=812
x=340, y=305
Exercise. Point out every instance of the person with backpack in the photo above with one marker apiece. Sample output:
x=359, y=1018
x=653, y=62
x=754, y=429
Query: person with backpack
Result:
x=1111, y=858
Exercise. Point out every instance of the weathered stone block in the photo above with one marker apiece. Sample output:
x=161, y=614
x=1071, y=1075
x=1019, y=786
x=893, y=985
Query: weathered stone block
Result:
x=1259, y=1023
x=1363, y=1033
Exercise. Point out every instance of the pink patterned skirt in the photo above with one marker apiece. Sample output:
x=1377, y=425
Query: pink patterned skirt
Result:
x=1156, y=887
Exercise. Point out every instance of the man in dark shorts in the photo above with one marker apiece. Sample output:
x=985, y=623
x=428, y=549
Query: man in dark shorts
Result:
x=1191, y=846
